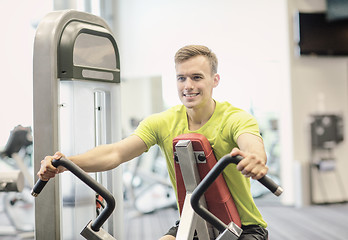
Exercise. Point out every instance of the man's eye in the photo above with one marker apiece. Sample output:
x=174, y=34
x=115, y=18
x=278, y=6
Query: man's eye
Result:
x=181, y=79
x=197, y=77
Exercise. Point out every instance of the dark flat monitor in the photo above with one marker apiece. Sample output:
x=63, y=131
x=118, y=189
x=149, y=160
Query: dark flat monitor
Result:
x=318, y=36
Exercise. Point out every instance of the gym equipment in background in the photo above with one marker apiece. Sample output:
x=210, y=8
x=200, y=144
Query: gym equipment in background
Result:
x=326, y=133
x=147, y=184
x=11, y=181
x=18, y=152
x=16, y=179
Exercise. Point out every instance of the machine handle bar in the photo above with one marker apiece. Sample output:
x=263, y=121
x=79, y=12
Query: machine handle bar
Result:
x=87, y=179
x=210, y=178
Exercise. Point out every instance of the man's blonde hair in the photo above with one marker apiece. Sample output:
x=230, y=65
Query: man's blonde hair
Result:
x=190, y=51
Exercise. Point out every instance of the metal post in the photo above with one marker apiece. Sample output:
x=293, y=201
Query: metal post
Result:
x=190, y=221
x=55, y=64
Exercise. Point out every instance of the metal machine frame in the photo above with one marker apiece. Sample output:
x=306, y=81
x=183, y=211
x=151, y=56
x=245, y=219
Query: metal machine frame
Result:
x=190, y=221
x=93, y=230
x=195, y=216
x=53, y=64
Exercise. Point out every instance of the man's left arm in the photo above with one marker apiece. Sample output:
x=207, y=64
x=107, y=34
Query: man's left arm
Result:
x=252, y=149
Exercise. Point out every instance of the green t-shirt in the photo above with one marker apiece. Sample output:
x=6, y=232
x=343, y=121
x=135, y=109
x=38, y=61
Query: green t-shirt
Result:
x=222, y=130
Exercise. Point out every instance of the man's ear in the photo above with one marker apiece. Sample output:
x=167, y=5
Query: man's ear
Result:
x=216, y=80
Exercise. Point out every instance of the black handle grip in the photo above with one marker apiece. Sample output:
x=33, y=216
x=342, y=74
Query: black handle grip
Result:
x=39, y=185
x=210, y=178
x=83, y=176
x=265, y=181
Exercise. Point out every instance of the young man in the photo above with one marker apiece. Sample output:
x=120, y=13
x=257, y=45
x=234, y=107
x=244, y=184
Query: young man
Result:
x=228, y=129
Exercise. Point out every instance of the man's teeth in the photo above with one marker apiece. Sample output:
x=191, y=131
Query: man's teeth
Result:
x=191, y=94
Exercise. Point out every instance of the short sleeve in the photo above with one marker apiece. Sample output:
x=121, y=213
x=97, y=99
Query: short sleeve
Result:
x=243, y=122
x=146, y=131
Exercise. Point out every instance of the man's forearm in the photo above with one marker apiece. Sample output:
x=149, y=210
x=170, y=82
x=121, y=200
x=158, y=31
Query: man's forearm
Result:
x=98, y=159
x=109, y=156
x=253, y=145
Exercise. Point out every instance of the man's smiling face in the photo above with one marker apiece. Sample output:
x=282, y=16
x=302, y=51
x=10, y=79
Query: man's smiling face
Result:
x=195, y=82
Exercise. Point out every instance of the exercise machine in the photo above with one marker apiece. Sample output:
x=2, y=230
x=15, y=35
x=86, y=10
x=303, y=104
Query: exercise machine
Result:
x=76, y=96
x=11, y=181
x=194, y=160
x=326, y=134
x=16, y=205
x=227, y=232
x=146, y=179
x=18, y=150
x=93, y=230
x=16, y=160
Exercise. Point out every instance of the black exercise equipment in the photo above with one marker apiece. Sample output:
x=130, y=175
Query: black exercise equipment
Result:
x=93, y=230
x=227, y=233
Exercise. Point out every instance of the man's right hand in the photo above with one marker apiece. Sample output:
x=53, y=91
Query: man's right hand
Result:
x=47, y=170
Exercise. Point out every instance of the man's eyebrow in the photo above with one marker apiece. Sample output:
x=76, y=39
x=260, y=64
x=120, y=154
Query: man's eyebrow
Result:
x=198, y=74
x=193, y=74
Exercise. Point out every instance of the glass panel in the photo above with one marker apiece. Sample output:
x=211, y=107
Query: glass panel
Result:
x=97, y=74
x=94, y=51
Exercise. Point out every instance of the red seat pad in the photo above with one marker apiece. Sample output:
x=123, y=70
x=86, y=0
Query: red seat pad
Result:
x=218, y=197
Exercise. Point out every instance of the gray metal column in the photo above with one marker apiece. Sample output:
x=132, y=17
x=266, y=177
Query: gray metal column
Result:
x=72, y=51
x=190, y=221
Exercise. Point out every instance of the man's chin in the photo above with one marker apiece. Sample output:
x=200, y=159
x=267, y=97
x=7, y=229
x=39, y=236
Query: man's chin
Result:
x=189, y=105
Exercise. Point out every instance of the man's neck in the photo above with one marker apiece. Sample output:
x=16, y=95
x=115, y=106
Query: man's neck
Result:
x=196, y=118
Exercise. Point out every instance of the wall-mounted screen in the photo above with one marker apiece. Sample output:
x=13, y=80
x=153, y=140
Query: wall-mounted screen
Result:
x=318, y=36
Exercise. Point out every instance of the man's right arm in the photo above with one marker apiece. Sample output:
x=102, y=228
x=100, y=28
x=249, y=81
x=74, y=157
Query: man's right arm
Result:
x=100, y=158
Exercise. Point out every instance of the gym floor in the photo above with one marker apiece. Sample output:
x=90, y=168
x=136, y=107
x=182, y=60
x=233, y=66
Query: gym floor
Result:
x=320, y=222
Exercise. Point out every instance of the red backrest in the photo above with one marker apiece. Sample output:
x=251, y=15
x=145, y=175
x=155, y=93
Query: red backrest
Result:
x=218, y=197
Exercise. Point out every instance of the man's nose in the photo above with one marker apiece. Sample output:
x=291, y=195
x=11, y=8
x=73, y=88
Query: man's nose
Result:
x=188, y=83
